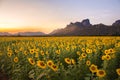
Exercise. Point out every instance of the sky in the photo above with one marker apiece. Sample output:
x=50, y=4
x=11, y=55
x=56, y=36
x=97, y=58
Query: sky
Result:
x=48, y=15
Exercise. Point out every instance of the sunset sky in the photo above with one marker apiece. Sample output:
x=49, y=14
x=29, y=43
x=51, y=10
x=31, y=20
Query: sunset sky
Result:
x=47, y=15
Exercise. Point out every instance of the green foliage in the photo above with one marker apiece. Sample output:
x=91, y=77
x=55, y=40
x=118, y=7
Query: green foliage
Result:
x=15, y=54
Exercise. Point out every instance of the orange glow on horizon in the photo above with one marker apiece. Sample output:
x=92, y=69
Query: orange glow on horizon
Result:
x=26, y=29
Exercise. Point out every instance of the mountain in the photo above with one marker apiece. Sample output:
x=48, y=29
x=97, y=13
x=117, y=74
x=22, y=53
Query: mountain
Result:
x=84, y=23
x=5, y=34
x=85, y=28
x=54, y=31
x=116, y=23
x=23, y=34
x=69, y=29
x=30, y=33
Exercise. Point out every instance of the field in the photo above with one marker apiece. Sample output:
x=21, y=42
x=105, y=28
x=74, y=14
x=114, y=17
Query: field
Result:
x=60, y=58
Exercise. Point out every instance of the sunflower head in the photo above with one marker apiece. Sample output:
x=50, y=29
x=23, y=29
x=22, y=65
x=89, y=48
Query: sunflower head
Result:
x=88, y=51
x=31, y=61
x=80, y=58
x=106, y=52
x=88, y=62
x=93, y=68
x=16, y=59
x=54, y=67
x=8, y=49
x=16, y=51
x=41, y=64
x=100, y=47
x=58, y=51
x=118, y=71
x=103, y=57
x=111, y=50
x=36, y=50
x=107, y=57
x=25, y=53
x=117, y=44
x=83, y=55
x=83, y=49
x=31, y=51
x=36, y=54
x=42, y=53
x=9, y=54
x=68, y=60
x=67, y=48
x=78, y=53
x=101, y=73
x=50, y=63
x=72, y=61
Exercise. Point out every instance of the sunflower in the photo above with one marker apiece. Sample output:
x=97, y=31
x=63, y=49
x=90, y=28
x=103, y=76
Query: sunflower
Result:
x=9, y=54
x=21, y=49
x=111, y=50
x=83, y=49
x=47, y=53
x=103, y=57
x=88, y=62
x=93, y=68
x=78, y=53
x=16, y=59
x=80, y=58
x=42, y=53
x=83, y=55
x=100, y=47
x=54, y=67
x=68, y=60
x=31, y=61
x=50, y=63
x=72, y=61
x=8, y=49
x=16, y=51
x=31, y=51
x=106, y=52
x=117, y=45
x=57, y=51
x=118, y=71
x=41, y=64
x=36, y=50
x=36, y=54
x=25, y=53
x=107, y=57
x=101, y=73
x=88, y=51
x=67, y=48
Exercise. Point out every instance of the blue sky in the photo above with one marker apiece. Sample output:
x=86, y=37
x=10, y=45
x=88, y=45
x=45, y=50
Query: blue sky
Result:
x=47, y=15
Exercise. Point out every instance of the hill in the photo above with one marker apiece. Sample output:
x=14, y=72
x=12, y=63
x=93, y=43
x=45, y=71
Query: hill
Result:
x=87, y=29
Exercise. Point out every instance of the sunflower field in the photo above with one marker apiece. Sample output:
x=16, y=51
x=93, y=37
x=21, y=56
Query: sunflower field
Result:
x=60, y=58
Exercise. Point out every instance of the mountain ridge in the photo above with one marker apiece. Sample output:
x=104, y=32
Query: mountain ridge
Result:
x=83, y=28
x=22, y=34
x=87, y=29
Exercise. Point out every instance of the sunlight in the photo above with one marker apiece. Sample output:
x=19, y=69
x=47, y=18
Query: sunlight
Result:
x=9, y=23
